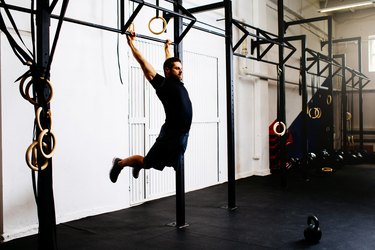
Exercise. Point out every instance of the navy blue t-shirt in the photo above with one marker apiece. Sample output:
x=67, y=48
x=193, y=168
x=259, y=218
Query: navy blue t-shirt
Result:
x=176, y=102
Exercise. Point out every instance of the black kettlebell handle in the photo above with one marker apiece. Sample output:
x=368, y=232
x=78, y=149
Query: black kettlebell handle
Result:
x=313, y=220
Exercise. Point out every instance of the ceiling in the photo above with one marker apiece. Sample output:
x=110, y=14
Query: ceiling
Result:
x=348, y=4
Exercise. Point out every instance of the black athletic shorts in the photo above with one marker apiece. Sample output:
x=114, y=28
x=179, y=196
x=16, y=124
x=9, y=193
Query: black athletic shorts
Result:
x=167, y=150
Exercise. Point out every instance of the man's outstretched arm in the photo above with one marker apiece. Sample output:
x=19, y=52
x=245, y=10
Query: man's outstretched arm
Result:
x=147, y=68
x=166, y=48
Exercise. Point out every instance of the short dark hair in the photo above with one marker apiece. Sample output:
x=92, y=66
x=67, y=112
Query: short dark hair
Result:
x=170, y=61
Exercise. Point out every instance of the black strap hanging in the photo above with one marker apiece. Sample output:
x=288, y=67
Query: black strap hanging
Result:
x=6, y=9
x=157, y=10
x=24, y=57
x=278, y=92
x=18, y=51
x=119, y=22
x=32, y=25
x=300, y=79
x=57, y=34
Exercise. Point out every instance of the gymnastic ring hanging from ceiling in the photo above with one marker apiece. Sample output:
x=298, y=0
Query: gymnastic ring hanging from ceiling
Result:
x=31, y=157
x=329, y=99
x=38, y=111
x=327, y=169
x=26, y=93
x=314, y=115
x=131, y=27
x=40, y=142
x=276, y=125
x=164, y=25
x=22, y=92
x=320, y=113
x=351, y=139
x=317, y=113
x=348, y=116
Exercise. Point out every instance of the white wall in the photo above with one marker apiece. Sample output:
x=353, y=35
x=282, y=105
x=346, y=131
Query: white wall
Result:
x=90, y=116
x=251, y=99
x=16, y=136
x=89, y=111
x=358, y=24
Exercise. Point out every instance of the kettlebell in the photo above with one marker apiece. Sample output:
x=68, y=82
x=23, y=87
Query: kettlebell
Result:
x=312, y=233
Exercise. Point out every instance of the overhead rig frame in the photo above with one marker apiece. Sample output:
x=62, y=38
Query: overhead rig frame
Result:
x=315, y=58
x=179, y=12
x=261, y=37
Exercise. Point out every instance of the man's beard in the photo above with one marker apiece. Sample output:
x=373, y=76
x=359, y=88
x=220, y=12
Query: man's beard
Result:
x=175, y=77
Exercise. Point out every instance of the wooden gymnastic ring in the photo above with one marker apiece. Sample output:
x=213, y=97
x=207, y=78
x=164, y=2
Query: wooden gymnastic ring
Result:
x=40, y=142
x=348, y=116
x=23, y=92
x=320, y=112
x=309, y=112
x=327, y=169
x=27, y=91
x=31, y=152
x=164, y=25
x=21, y=86
x=317, y=113
x=276, y=125
x=37, y=115
x=351, y=139
x=131, y=27
x=329, y=99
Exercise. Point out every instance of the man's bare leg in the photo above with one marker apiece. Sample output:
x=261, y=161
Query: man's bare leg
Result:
x=136, y=162
x=132, y=161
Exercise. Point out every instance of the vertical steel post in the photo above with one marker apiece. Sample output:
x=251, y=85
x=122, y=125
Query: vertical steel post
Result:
x=360, y=97
x=180, y=170
x=344, y=103
x=230, y=106
x=281, y=116
x=330, y=87
x=304, y=138
x=122, y=13
x=344, y=107
x=352, y=110
x=180, y=194
x=45, y=200
x=178, y=28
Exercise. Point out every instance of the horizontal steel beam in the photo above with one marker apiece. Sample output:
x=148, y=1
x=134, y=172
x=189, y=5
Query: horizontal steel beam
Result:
x=207, y=7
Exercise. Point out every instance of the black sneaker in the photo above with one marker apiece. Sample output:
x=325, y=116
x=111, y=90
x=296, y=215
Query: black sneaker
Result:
x=115, y=170
x=136, y=171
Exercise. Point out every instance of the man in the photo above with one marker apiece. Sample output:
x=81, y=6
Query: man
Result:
x=171, y=143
